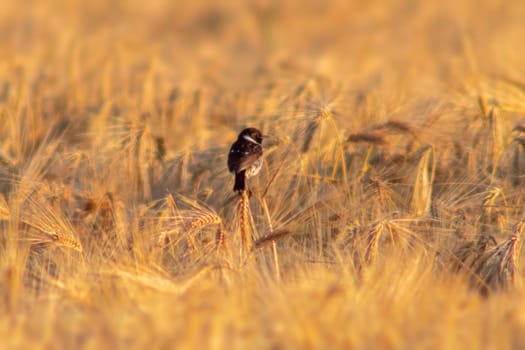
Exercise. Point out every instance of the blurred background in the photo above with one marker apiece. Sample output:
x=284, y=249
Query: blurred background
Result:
x=136, y=52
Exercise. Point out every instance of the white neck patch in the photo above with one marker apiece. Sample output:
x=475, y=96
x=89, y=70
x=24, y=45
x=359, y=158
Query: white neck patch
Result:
x=248, y=138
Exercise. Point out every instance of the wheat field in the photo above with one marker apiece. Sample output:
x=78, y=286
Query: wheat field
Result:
x=388, y=213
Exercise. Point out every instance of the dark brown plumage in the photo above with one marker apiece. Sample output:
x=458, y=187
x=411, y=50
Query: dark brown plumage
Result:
x=245, y=157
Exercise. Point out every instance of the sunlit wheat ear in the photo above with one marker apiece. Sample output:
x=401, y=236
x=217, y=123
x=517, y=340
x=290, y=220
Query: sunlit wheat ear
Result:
x=202, y=219
x=391, y=231
x=372, y=241
x=64, y=240
x=5, y=213
x=55, y=227
x=499, y=265
x=244, y=222
x=422, y=193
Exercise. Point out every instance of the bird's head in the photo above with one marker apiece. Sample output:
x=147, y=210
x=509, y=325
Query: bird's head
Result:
x=252, y=135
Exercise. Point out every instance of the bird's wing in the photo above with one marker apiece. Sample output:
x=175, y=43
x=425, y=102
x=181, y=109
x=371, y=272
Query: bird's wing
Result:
x=242, y=155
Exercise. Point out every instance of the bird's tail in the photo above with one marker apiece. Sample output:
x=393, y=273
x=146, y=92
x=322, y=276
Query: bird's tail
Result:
x=239, y=181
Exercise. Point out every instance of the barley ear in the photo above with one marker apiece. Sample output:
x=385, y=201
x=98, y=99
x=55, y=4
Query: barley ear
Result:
x=244, y=211
x=4, y=208
x=422, y=194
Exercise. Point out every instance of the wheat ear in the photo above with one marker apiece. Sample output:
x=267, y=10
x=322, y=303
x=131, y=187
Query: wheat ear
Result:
x=4, y=208
x=65, y=240
x=244, y=211
x=499, y=265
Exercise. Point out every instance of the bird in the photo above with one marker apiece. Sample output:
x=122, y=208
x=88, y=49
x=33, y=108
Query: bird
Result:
x=245, y=157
